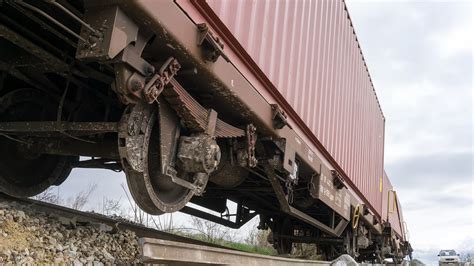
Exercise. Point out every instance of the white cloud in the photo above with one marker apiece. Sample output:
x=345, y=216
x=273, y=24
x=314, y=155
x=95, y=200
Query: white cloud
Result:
x=454, y=42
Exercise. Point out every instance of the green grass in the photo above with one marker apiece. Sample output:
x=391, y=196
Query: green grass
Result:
x=249, y=248
x=235, y=245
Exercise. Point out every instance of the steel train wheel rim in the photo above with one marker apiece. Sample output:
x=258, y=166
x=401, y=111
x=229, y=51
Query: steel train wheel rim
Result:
x=154, y=192
x=23, y=174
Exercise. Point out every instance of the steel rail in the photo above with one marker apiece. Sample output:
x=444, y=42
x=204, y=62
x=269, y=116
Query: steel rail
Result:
x=173, y=253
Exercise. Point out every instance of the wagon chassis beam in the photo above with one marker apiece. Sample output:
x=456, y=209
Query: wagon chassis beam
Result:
x=63, y=138
x=335, y=230
x=241, y=217
x=312, y=240
x=99, y=163
x=32, y=128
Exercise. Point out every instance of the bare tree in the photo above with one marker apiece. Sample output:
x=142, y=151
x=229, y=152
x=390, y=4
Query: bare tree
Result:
x=163, y=222
x=78, y=201
x=210, y=231
x=111, y=206
x=138, y=214
x=49, y=195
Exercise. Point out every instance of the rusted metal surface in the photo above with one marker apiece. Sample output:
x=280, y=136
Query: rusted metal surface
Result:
x=195, y=115
x=52, y=61
x=72, y=147
x=230, y=173
x=158, y=82
x=306, y=56
x=335, y=230
x=338, y=199
x=139, y=147
x=133, y=135
x=111, y=23
x=211, y=45
x=242, y=216
x=198, y=154
x=78, y=128
x=280, y=118
x=156, y=182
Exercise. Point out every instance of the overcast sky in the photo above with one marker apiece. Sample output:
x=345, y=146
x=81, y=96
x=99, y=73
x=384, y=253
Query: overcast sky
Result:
x=419, y=54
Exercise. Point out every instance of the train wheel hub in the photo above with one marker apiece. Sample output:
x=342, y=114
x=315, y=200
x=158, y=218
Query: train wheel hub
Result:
x=160, y=178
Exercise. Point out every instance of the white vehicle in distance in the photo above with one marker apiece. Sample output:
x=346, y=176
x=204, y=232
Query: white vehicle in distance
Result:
x=449, y=257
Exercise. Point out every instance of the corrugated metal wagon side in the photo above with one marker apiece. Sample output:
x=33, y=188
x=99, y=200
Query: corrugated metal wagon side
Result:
x=310, y=53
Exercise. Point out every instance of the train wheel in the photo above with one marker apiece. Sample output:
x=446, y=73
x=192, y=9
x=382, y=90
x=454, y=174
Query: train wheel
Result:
x=23, y=173
x=153, y=191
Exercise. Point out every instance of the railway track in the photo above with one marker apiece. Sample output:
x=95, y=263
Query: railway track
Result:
x=155, y=246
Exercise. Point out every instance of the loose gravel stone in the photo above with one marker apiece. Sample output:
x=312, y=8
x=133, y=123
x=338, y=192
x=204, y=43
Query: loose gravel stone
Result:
x=28, y=237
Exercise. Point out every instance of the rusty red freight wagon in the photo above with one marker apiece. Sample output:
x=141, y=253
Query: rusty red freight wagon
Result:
x=268, y=104
x=311, y=63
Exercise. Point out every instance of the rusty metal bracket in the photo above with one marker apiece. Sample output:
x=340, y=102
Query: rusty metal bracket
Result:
x=133, y=87
x=338, y=182
x=121, y=42
x=279, y=117
x=131, y=55
x=157, y=83
x=241, y=217
x=116, y=31
x=212, y=46
x=290, y=210
x=197, y=187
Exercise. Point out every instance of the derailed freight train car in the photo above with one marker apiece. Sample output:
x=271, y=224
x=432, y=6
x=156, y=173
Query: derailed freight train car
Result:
x=268, y=104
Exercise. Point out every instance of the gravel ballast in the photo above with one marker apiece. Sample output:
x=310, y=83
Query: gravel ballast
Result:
x=28, y=237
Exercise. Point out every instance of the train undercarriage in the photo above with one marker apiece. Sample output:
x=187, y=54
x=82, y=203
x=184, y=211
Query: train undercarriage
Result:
x=83, y=85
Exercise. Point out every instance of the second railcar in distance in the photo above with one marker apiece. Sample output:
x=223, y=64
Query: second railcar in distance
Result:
x=265, y=103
